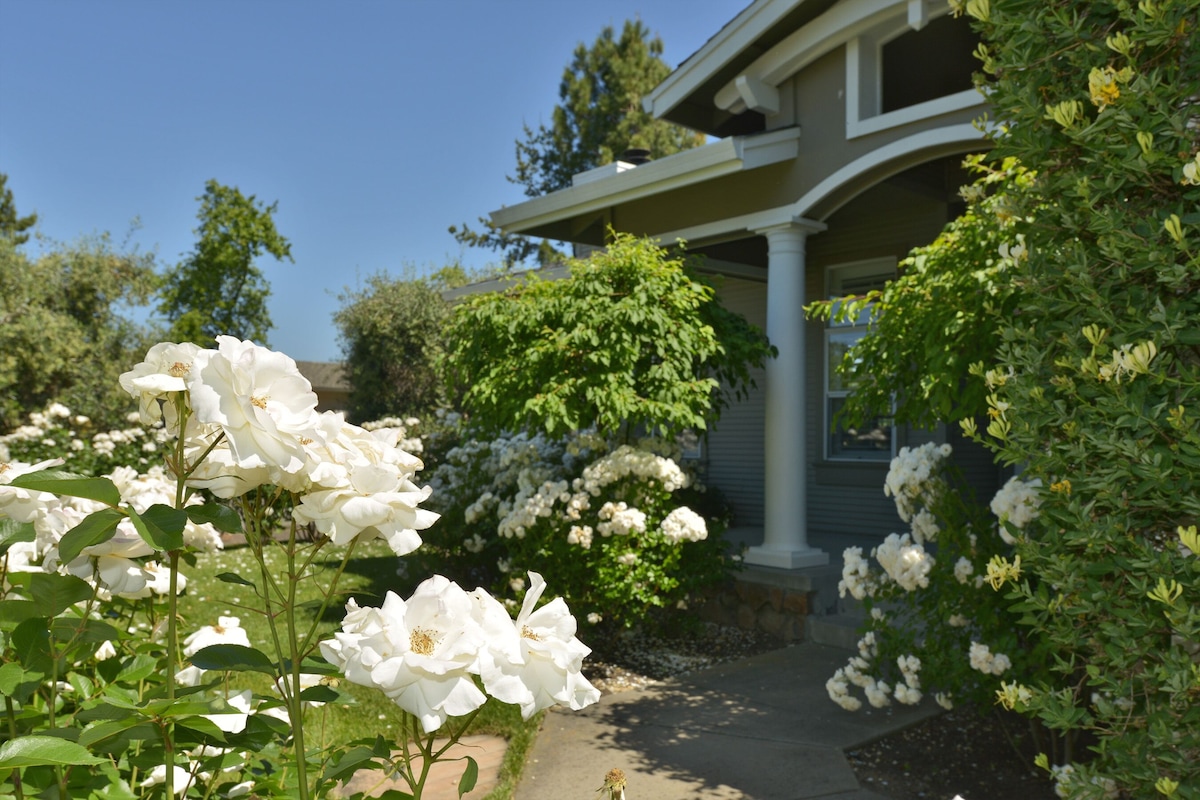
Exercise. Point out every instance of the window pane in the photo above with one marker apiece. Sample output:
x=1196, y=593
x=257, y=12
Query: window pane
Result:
x=838, y=343
x=870, y=441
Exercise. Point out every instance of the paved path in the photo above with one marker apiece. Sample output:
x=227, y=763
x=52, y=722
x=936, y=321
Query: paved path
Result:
x=758, y=729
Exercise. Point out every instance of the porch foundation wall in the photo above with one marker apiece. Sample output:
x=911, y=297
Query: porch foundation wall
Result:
x=749, y=603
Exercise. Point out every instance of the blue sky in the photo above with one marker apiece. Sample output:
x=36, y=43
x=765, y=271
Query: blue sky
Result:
x=375, y=125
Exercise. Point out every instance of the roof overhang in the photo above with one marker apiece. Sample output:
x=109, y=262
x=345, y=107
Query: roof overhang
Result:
x=595, y=194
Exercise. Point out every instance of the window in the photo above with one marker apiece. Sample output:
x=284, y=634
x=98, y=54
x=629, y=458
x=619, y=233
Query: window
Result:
x=873, y=440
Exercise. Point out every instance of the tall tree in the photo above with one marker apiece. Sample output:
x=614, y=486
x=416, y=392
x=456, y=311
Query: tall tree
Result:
x=63, y=336
x=391, y=337
x=218, y=289
x=13, y=227
x=598, y=118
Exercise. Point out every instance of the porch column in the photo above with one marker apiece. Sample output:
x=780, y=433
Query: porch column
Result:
x=785, y=540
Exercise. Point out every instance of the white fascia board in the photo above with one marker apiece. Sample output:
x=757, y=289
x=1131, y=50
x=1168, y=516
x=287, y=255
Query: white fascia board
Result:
x=831, y=30
x=724, y=157
x=736, y=36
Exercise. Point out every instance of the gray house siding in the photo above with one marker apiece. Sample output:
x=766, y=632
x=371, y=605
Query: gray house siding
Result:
x=735, y=444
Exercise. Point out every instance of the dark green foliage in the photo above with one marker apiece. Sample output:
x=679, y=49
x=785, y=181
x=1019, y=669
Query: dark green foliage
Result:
x=217, y=289
x=13, y=227
x=391, y=337
x=63, y=336
x=632, y=338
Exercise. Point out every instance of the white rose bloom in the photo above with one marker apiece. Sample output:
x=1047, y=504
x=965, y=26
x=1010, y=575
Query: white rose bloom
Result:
x=24, y=505
x=160, y=373
x=228, y=630
x=421, y=653
x=534, y=661
x=259, y=399
x=378, y=500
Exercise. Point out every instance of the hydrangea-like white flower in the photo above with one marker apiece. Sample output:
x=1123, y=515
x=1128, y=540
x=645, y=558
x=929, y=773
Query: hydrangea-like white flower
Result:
x=534, y=661
x=419, y=652
x=912, y=479
x=1017, y=503
x=162, y=372
x=258, y=397
x=856, y=575
x=906, y=563
x=683, y=524
x=985, y=661
x=620, y=520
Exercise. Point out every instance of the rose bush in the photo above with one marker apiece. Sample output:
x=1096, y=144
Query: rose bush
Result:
x=105, y=696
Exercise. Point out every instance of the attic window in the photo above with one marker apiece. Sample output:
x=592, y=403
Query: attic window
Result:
x=933, y=62
x=900, y=72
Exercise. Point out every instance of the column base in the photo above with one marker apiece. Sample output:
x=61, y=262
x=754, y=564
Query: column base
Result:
x=786, y=559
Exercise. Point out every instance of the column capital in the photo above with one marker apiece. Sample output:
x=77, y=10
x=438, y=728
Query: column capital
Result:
x=797, y=226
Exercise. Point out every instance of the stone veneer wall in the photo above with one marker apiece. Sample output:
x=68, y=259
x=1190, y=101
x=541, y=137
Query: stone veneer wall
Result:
x=767, y=603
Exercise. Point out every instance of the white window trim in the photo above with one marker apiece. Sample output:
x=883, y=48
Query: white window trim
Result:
x=864, y=85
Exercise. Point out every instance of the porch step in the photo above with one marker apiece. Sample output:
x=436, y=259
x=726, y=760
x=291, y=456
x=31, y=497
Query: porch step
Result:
x=834, y=630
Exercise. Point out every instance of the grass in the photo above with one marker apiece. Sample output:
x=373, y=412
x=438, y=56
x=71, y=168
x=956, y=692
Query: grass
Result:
x=372, y=572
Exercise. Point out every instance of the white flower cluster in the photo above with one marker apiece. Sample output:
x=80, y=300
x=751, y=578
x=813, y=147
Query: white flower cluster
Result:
x=906, y=563
x=1017, y=503
x=985, y=661
x=620, y=520
x=682, y=525
x=963, y=568
x=1069, y=783
x=580, y=535
x=913, y=478
x=423, y=653
x=627, y=461
x=117, y=566
x=856, y=673
x=530, y=506
x=909, y=692
x=253, y=418
x=856, y=575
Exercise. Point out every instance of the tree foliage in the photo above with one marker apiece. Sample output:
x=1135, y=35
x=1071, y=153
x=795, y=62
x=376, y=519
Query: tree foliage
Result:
x=391, y=337
x=63, y=335
x=218, y=289
x=942, y=314
x=598, y=118
x=1096, y=384
x=13, y=227
x=632, y=337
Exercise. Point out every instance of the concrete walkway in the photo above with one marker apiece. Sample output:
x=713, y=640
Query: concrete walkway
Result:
x=758, y=729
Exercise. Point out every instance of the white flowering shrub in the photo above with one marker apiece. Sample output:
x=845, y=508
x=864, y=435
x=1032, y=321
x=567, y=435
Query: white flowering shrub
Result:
x=107, y=696
x=58, y=432
x=936, y=625
x=620, y=526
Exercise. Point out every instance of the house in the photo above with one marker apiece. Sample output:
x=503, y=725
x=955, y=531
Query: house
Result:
x=836, y=131
x=328, y=379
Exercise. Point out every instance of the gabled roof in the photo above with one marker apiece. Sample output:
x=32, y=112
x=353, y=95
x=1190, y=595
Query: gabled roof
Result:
x=687, y=95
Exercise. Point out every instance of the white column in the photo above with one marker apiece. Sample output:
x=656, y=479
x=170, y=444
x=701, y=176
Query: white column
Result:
x=785, y=540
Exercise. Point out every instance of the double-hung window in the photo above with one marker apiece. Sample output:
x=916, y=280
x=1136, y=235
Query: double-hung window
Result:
x=873, y=440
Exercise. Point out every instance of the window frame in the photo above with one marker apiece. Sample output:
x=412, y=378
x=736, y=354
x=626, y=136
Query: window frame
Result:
x=836, y=276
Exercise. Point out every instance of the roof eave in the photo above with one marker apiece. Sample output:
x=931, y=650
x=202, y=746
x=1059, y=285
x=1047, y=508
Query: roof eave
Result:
x=725, y=157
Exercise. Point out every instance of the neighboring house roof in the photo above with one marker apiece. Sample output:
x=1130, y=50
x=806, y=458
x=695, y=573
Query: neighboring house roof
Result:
x=329, y=376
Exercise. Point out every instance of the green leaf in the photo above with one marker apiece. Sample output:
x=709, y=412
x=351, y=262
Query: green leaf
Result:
x=223, y=518
x=14, y=612
x=56, y=593
x=32, y=751
x=95, y=529
x=102, y=490
x=160, y=526
x=320, y=694
x=233, y=658
x=470, y=776
x=354, y=759
x=229, y=577
x=12, y=532
x=11, y=676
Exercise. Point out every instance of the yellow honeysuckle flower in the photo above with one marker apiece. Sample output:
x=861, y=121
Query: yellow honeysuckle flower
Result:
x=1166, y=593
x=1145, y=141
x=1066, y=113
x=1191, y=172
x=1000, y=571
x=1190, y=538
x=1166, y=787
x=1174, y=228
x=1062, y=487
x=1102, y=85
x=979, y=9
x=1012, y=695
x=1118, y=42
x=1095, y=334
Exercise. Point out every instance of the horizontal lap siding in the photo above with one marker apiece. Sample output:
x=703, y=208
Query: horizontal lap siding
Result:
x=734, y=452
